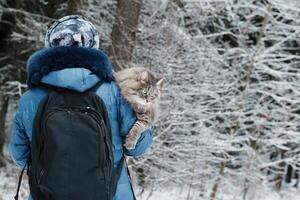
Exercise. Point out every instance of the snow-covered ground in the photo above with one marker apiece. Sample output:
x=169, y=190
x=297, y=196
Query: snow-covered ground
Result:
x=9, y=178
x=8, y=183
x=262, y=193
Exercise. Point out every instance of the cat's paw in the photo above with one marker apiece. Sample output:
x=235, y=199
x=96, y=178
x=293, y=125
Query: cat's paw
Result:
x=129, y=143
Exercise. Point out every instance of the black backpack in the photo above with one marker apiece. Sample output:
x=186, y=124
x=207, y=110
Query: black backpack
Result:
x=71, y=150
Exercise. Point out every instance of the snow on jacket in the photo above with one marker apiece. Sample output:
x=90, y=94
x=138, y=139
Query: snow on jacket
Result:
x=78, y=69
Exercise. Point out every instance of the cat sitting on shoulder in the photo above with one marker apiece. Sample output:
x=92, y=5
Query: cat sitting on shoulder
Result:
x=141, y=88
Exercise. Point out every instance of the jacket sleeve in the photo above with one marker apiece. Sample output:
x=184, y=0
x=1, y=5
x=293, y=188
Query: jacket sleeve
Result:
x=19, y=143
x=127, y=118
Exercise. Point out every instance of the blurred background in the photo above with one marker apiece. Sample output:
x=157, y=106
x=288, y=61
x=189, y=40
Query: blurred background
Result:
x=229, y=127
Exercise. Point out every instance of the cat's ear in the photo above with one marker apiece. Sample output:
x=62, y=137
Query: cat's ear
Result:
x=143, y=76
x=159, y=82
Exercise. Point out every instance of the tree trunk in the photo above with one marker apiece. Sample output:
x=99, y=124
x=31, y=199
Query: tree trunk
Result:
x=216, y=185
x=124, y=31
x=280, y=172
x=289, y=174
x=6, y=55
x=13, y=54
x=74, y=7
x=3, y=109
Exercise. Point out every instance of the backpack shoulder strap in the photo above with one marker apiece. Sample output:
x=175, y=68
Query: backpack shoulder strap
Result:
x=118, y=174
x=50, y=88
x=95, y=87
x=130, y=179
x=27, y=164
x=116, y=177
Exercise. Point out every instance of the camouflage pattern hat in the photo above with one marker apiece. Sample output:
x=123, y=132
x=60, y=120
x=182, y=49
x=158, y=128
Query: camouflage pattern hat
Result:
x=72, y=30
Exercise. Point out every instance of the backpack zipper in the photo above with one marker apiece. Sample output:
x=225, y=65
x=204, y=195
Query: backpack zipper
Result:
x=41, y=174
x=107, y=150
x=99, y=123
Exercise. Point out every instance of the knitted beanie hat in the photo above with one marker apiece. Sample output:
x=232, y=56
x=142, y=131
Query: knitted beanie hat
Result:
x=72, y=30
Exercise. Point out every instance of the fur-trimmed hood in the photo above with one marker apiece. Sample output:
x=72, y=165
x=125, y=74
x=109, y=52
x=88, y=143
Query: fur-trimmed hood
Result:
x=48, y=60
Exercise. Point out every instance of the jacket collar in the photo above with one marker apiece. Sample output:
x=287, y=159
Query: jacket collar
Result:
x=52, y=59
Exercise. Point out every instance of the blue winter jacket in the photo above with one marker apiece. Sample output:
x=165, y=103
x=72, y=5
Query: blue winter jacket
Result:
x=72, y=68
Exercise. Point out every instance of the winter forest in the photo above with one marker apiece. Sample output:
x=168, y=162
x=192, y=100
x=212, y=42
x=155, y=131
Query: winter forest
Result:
x=229, y=124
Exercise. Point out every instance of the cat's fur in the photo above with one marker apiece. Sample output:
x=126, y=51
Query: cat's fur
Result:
x=141, y=88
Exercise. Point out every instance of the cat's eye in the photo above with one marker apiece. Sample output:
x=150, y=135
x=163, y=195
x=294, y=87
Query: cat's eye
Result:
x=144, y=92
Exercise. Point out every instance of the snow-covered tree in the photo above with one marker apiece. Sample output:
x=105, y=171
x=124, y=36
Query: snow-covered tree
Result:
x=229, y=109
x=230, y=102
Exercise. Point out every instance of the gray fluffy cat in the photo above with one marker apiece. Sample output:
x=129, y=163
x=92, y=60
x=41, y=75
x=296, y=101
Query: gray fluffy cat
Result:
x=141, y=88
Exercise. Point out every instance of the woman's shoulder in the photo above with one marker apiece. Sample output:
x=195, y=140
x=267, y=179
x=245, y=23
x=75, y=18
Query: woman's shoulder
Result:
x=32, y=96
x=109, y=89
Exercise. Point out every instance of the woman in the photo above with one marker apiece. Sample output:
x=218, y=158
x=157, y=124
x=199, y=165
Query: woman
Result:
x=78, y=67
